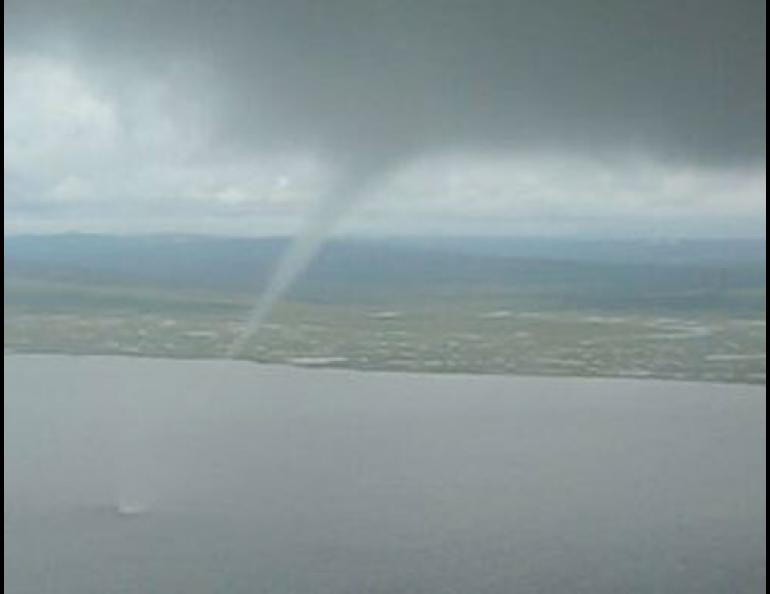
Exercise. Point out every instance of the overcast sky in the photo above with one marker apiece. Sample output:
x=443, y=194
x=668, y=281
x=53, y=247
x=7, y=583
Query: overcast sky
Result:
x=566, y=117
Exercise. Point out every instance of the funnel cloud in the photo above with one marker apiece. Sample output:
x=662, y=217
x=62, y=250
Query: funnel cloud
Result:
x=350, y=186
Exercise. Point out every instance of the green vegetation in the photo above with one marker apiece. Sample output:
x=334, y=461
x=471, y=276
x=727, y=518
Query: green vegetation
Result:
x=544, y=318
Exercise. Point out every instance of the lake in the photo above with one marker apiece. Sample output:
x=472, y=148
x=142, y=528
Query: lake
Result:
x=130, y=475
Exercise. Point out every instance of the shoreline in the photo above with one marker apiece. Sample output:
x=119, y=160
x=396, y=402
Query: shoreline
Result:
x=340, y=369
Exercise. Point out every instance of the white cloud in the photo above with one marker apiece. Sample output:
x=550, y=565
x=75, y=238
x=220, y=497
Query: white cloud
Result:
x=76, y=158
x=572, y=194
x=51, y=118
x=73, y=189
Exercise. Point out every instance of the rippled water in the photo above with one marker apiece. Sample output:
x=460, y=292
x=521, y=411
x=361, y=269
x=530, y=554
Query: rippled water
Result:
x=142, y=476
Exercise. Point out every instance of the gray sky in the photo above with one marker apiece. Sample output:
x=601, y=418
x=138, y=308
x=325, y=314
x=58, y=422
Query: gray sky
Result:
x=483, y=116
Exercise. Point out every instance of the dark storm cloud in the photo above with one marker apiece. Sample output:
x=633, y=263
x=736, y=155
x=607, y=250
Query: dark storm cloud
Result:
x=675, y=79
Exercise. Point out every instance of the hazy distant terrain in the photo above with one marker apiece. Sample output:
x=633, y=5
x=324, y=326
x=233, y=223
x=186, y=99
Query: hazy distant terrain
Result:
x=681, y=310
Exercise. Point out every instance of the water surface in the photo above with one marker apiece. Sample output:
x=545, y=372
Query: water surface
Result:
x=199, y=477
